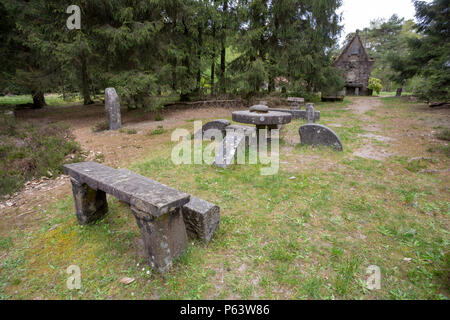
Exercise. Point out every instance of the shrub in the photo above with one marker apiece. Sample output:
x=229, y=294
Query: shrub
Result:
x=375, y=85
x=100, y=126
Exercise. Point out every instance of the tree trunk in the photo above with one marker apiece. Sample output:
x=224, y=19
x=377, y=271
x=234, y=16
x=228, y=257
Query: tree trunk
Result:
x=85, y=81
x=399, y=92
x=38, y=100
x=223, y=49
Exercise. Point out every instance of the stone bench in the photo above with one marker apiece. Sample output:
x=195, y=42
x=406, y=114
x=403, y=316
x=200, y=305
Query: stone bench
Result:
x=158, y=209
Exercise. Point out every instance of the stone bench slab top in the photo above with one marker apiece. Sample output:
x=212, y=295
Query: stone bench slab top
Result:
x=140, y=192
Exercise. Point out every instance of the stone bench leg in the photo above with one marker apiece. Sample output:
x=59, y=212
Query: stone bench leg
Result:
x=164, y=237
x=90, y=204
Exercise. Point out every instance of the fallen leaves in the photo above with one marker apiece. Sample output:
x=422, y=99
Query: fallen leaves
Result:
x=126, y=280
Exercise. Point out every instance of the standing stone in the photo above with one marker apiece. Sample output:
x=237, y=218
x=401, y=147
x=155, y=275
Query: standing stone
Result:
x=219, y=124
x=310, y=113
x=112, y=108
x=295, y=106
x=316, y=134
x=296, y=102
x=356, y=91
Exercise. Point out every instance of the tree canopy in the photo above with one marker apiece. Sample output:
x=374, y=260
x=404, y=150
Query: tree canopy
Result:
x=153, y=48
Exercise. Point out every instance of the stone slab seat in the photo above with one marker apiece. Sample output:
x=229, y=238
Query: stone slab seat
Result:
x=158, y=209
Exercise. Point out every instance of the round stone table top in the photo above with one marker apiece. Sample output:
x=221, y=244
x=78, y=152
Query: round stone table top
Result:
x=269, y=118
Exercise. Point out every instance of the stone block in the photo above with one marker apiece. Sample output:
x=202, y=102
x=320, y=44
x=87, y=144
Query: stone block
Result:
x=219, y=124
x=201, y=218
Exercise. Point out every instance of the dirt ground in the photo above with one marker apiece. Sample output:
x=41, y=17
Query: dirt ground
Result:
x=118, y=149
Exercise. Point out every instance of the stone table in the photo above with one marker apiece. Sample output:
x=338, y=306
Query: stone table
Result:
x=262, y=118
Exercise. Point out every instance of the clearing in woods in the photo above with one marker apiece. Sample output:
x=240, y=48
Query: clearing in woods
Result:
x=309, y=232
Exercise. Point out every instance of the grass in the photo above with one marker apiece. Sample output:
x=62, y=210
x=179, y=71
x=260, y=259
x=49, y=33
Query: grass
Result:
x=312, y=237
x=50, y=99
x=393, y=93
x=31, y=151
x=444, y=135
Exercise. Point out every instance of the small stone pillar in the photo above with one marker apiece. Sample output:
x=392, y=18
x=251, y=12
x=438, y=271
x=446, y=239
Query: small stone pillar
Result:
x=356, y=91
x=310, y=113
x=165, y=237
x=112, y=108
x=90, y=204
x=295, y=106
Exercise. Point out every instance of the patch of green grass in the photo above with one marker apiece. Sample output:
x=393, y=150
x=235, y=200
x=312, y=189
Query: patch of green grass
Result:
x=444, y=135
